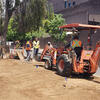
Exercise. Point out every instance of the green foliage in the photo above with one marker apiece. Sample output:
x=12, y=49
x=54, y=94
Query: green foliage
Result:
x=50, y=12
x=11, y=34
x=33, y=20
x=46, y=24
x=53, y=27
x=39, y=12
x=31, y=15
x=52, y=23
x=28, y=21
x=32, y=34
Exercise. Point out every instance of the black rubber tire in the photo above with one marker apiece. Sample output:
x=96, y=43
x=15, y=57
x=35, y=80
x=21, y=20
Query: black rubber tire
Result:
x=87, y=75
x=67, y=70
x=47, y=65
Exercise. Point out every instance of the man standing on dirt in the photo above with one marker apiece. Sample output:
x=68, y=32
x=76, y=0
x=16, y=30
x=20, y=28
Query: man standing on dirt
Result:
x=36, y=46
x=28, y=50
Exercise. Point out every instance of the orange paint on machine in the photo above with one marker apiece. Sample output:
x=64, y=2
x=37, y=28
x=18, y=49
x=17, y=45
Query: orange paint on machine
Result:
x=66, y=59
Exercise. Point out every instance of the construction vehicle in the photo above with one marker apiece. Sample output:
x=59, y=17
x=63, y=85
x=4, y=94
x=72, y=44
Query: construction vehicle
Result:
x=65, y=60
x=50, y=55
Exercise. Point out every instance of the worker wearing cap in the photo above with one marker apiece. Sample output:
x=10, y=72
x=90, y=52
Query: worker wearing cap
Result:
x=28, y=50
x=36, y=46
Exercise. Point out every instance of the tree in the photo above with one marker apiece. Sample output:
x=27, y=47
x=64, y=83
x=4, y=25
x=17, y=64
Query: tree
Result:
x=9, y=9
x=53, y=27
x=0, y=18
x=0, y=7
x=12, y=34
x=28, y=20
x=50, y=12
x=39, y=12
x=31, y=15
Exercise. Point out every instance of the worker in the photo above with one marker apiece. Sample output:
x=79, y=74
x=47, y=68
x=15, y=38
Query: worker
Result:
x=28, y=50
x=50, y=45
x=17, y=43
x=76, y=44
x=47, y=49
x=36, y=46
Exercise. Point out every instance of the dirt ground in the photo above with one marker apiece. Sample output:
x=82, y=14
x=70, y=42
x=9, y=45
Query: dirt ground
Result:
x=23, y=81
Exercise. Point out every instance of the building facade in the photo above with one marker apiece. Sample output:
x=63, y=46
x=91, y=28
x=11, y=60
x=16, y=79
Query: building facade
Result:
x=62, y=4
x=80, y=11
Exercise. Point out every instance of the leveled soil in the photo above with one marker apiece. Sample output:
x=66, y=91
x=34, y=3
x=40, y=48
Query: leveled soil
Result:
x=23, y=81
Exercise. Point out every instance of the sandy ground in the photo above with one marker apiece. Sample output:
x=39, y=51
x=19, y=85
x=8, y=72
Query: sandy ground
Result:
x=23, y=81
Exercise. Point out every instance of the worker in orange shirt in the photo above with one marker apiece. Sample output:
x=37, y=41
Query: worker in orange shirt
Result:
x=77, y=45
x=28, y=50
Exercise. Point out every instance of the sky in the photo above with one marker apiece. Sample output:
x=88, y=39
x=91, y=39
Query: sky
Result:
x=21, y=0
x=3, y=6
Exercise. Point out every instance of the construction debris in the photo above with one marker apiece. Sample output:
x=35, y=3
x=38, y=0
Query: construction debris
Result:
x=20, y=55
x=38, y=63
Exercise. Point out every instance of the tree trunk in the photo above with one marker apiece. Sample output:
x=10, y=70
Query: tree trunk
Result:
x=5, y=28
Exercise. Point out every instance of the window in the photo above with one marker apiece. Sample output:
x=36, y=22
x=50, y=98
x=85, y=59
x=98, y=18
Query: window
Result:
x=69, y=4
x=74, y=3
x=65, y=3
